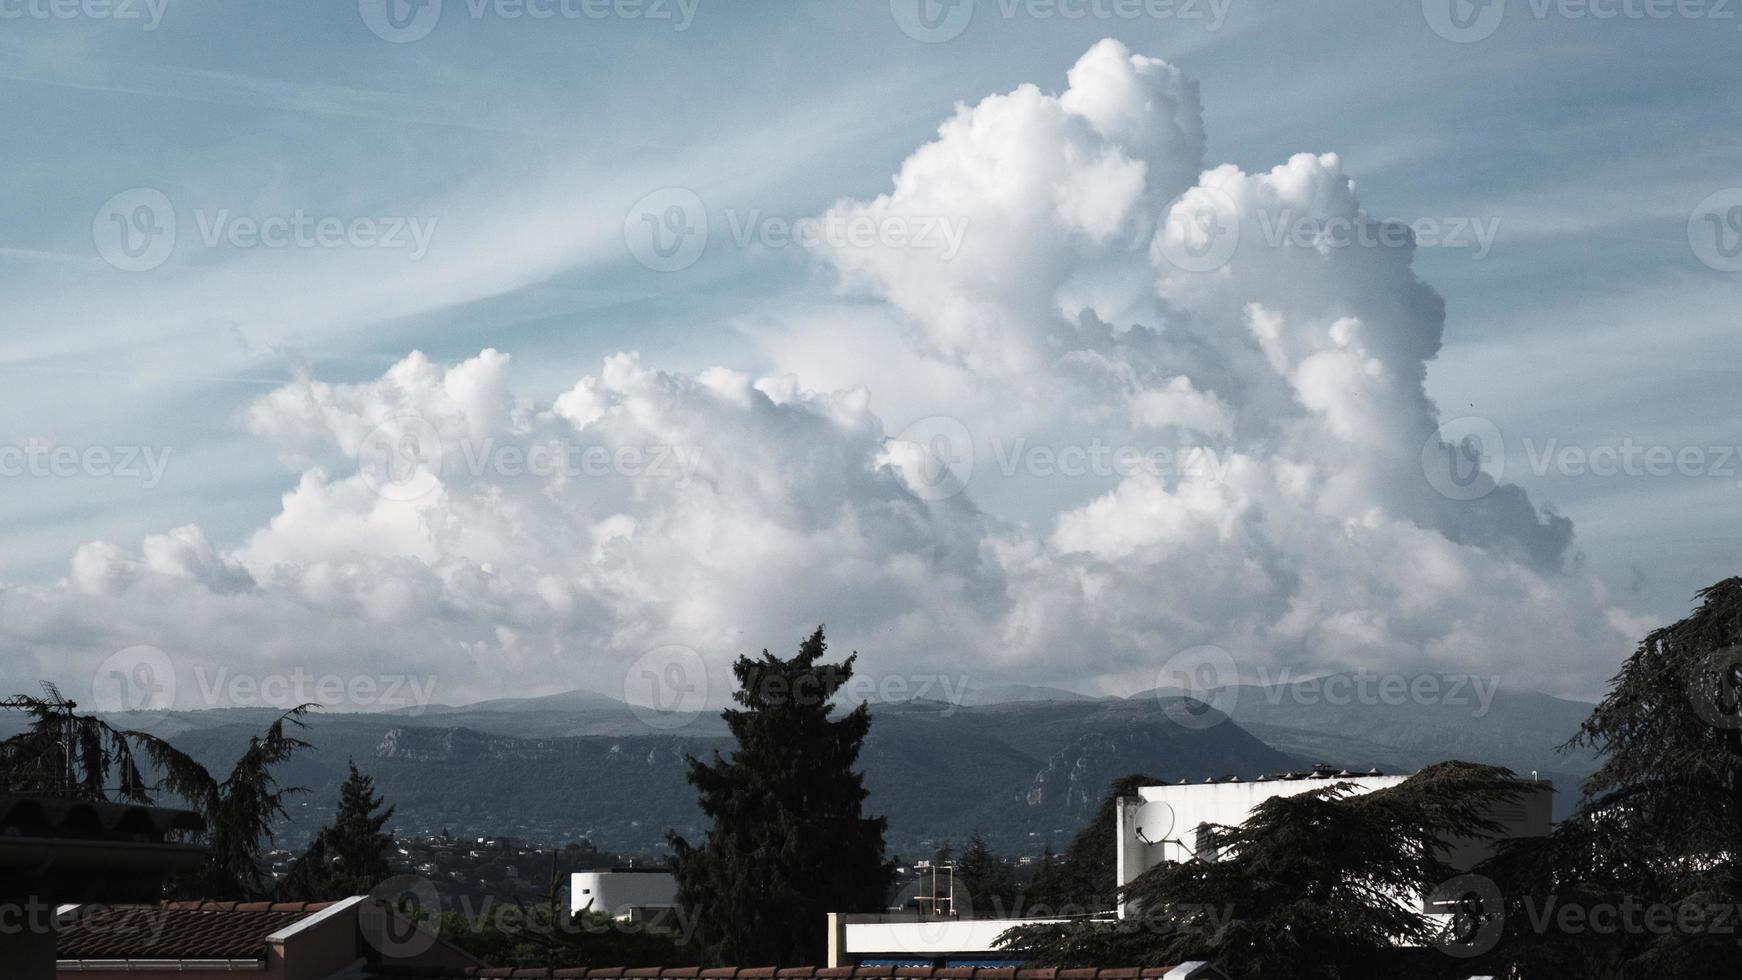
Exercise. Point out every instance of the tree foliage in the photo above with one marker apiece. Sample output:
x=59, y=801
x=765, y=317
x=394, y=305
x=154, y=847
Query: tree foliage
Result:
x=1658, y=829
x=789, y=841
x=1325, y=883
x=1081, y=879
x=239, y=810
x=68, y=755
x=349, y=856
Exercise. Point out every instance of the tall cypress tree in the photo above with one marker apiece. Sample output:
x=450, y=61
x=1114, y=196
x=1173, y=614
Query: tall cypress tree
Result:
x=789, y=842
x=350, y=856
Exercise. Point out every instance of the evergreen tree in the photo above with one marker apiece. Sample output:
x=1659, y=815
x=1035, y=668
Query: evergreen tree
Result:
x=986, y=882
x=349, y=857
x=68, y=755
x=1081, y=880
x=239, y=811
x=789, y=842
x=1659, y=825
x=1309, y=887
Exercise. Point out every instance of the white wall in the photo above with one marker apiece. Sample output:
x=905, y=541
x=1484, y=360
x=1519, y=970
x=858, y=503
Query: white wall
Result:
x=929, y=938
x=619, y=892
x=1231, y=803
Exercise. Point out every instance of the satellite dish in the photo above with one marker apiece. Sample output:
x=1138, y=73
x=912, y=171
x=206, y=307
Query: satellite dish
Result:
x=1154, y=823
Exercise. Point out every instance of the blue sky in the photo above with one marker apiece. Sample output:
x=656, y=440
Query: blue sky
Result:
x=1588, y=143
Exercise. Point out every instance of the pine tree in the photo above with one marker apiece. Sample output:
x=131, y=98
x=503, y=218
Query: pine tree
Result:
x=1659, y=825
x=1306, y=888
x=986, y=881
x=350, y=856
x=789, y=842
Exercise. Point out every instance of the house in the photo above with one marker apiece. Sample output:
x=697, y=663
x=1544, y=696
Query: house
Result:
x=1170, y=823
x=628, y=894
x=253, y=940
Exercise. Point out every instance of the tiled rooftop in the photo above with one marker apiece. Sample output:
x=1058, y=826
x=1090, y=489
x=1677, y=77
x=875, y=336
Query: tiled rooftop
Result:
x=792, y=973
x=179, y=930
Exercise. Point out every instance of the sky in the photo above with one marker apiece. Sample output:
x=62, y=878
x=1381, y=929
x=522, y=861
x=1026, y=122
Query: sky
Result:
x=506, y=347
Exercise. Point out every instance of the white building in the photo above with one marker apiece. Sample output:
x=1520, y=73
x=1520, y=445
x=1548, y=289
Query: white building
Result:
x=623, y=893
x=1170, y=823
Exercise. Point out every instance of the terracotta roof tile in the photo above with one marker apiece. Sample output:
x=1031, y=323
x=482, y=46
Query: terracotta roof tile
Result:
x=179, y=930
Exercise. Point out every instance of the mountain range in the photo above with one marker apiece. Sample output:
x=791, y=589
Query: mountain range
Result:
x=1024, y=766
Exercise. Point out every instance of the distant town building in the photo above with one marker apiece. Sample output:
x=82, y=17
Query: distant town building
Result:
x=629, y=894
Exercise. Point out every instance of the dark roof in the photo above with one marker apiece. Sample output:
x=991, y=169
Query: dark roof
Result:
x=179, y=930
x=788, y=973
x=37, y=815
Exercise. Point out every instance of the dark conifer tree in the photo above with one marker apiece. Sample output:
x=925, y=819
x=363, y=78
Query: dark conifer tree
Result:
x=789, y=841
x=350, y=856
x=1659, y=826
x=1081, y=879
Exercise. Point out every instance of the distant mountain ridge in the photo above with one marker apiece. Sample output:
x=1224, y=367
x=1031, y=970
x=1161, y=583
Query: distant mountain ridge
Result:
x=1025, y=773
x=1026, y=767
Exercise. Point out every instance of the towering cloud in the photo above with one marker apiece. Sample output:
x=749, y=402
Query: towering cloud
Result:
x=1265, y=370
